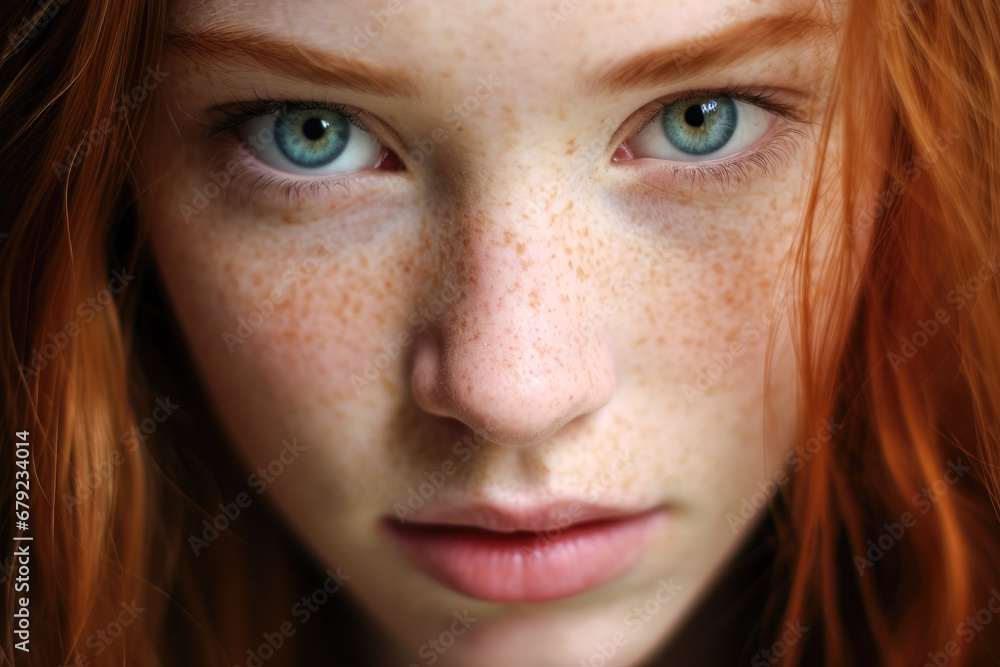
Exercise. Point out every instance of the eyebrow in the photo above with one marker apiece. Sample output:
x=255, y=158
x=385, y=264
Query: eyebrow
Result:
x=696, y=57
x=292, y=60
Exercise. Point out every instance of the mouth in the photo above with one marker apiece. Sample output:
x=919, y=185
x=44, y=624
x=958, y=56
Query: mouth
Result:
x=525, y=555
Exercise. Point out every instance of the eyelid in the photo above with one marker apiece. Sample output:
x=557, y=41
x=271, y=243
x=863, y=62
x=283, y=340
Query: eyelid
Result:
x=757, y=96
x=232, y=114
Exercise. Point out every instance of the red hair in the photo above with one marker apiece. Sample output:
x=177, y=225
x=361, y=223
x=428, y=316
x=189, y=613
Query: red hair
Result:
x=915, y=391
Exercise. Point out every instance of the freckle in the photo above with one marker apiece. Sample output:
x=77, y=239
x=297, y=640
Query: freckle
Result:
x=508, y=236
x=580, y=273
x=534, y=301
x=391, y=387
x=520, y=248
x=569, y=251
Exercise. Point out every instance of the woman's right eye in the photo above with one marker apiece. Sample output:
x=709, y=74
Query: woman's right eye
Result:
x=312, y=142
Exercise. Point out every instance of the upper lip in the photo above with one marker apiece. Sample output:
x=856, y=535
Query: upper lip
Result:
x=558, y=515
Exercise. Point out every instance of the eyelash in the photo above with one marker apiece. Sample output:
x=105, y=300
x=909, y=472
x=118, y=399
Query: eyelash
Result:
x=767, y=158
x=236, y=113
x=251, y=181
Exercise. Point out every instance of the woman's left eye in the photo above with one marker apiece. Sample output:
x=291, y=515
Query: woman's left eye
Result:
x=701, y=128
x=312, y=142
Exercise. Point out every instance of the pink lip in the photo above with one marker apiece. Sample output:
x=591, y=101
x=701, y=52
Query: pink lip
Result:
x=525, y=555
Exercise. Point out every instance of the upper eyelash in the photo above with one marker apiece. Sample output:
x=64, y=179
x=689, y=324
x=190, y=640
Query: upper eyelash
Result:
x=236, y=113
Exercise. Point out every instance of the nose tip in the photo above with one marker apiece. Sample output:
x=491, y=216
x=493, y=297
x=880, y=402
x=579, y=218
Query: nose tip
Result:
x=515, y=391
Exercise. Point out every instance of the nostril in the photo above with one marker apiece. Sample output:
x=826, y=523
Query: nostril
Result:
x=425, y=381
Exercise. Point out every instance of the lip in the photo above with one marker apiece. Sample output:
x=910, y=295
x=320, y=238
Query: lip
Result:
x=525, y=554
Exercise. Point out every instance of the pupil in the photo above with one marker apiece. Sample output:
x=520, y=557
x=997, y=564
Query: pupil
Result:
x=314, y=128
x=694, y=116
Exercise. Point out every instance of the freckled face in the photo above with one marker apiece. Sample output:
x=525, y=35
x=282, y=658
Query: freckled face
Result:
x=525, y=261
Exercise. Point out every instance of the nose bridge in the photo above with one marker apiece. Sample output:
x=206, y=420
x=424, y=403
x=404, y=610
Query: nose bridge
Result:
x=508, y=359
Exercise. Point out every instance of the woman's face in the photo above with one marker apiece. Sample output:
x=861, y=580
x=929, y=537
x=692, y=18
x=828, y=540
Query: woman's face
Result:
x=529, y=289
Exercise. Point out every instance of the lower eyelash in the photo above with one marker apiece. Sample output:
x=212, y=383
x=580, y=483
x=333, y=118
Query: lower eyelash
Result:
x=734, y=173
x=251, y=183
x=261, y=184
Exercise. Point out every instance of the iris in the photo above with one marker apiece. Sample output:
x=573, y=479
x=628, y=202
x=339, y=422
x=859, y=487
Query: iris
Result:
x=312, y=137
x=700, y=125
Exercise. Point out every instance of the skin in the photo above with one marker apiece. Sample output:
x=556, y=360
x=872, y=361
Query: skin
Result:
x=577, y=296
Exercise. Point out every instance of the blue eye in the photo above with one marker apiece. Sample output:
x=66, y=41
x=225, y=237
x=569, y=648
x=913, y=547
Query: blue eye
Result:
x=701, y=128
x=700, y=125
x=311, y=142
x=312, y=138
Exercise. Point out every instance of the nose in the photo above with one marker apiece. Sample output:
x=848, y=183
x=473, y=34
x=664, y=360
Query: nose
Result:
x=513, y=357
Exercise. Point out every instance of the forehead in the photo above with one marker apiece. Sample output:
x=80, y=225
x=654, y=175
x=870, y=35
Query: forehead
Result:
x=535, y=41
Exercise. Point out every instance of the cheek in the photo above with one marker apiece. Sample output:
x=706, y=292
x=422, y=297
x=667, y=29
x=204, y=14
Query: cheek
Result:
x=280, y=316
x=714, y=292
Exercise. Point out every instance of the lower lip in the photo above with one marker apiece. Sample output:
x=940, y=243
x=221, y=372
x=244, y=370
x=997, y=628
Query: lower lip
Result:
x=527, y=567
